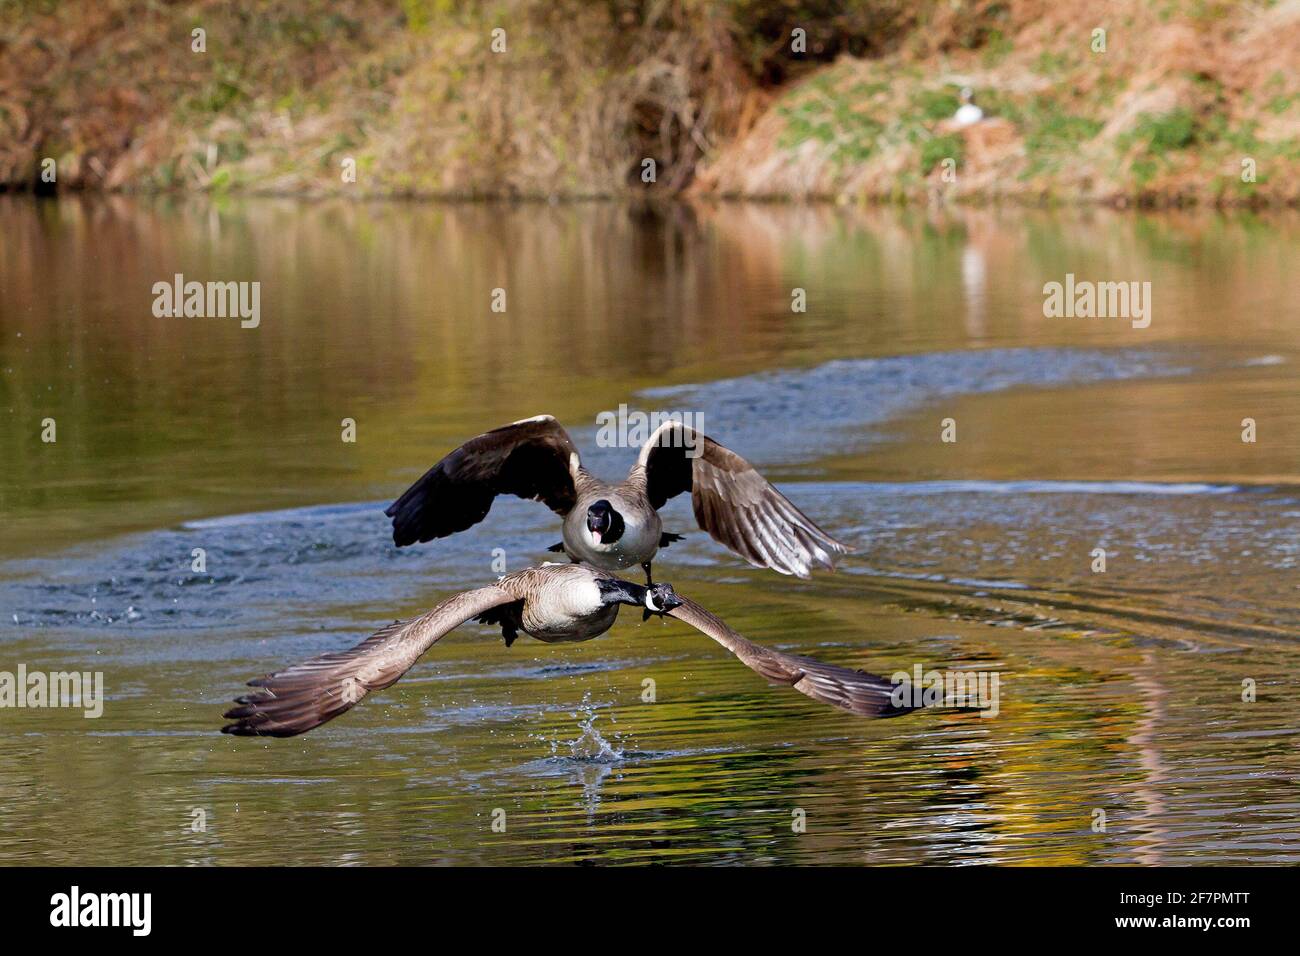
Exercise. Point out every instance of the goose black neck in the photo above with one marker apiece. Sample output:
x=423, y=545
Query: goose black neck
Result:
x=615, y=591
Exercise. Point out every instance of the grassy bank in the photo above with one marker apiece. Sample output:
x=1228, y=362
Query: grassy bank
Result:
x=1185, y=101
x=1172, y=104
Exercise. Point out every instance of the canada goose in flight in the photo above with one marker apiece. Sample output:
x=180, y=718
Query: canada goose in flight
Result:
x=615, y=526
x=551, y=602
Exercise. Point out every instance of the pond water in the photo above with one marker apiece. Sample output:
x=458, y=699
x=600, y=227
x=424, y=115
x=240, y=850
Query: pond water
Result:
x=1121, y=735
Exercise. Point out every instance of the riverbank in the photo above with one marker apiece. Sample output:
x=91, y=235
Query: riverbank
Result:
x=1124, y=103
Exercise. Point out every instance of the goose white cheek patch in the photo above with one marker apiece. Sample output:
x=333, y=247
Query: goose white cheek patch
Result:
x=650, y=601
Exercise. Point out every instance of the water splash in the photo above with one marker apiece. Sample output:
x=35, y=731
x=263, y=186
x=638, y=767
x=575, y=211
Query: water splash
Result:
x=588, y=758
x=590, y=746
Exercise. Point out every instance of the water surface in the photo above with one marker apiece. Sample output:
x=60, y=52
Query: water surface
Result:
x=1120, y=692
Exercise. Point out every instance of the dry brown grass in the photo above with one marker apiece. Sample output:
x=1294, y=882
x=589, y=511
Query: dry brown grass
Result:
x=94, y=84
x=589, y=89
x=1183, y=93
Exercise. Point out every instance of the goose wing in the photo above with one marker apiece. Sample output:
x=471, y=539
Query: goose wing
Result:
x=533, y=458
x=858, y=692
x=736, y=505
x=305, y=695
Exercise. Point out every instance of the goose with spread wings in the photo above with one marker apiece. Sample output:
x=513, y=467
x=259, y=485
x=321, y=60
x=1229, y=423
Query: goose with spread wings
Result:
x=551, y=602
x=614, y=526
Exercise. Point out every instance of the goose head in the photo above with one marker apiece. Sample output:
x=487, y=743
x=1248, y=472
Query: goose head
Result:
x=604, y=524
x=661, y=598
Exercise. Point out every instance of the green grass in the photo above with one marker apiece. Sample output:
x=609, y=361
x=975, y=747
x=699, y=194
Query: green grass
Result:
x=1167, y=132
x=1280, y=104
x=1056, y=131
x=938, y=148
x=1159, y=135
x=936, y=105
x=1050, y=63
x=997, y=49
x=832, y=121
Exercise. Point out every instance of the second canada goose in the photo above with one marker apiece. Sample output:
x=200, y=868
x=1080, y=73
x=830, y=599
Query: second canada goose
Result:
x=615, y=526
x=551, y=602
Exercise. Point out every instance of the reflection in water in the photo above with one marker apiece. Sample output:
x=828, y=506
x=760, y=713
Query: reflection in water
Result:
x=972, y=280
x=1147, y=743
x=183, y=434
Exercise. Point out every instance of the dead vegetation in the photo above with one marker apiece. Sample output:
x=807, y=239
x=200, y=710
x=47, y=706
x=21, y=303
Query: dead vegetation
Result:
x=1195, y=102
x=1185, y=96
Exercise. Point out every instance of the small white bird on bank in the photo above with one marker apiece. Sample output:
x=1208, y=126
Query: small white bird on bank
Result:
x=968, y=114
